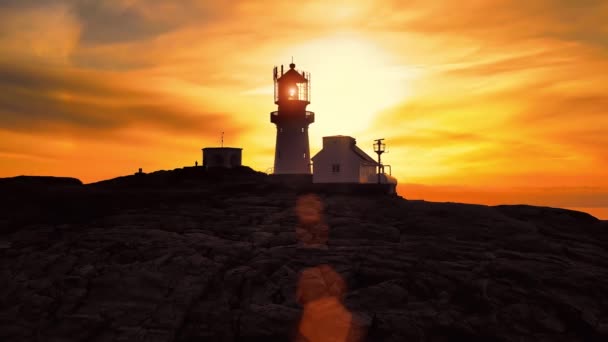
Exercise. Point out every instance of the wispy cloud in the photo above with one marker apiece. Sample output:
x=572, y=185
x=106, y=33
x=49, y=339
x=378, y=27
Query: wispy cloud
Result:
x=95, y=103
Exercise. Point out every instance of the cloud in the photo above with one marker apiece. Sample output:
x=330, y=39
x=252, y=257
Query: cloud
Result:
x=497, y=22
x=434, y=138
x=45, y=34
x=511, y=92
x=104, y=23
x=551, y=136
x=51, y=99
x=119, y=21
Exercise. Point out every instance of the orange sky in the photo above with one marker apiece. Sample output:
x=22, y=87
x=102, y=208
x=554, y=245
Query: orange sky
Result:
x=484, y=101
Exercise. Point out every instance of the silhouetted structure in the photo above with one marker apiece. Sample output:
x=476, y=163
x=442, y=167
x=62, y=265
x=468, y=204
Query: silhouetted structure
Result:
x=379, y=148
x=227, y=157
x=341, y=165
x=292, y=95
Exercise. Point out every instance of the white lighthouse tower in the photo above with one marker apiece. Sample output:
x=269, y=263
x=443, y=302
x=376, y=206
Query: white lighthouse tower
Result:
x=292, y=95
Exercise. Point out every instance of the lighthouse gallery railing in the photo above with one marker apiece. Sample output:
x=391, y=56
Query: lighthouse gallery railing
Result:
x=309, y=115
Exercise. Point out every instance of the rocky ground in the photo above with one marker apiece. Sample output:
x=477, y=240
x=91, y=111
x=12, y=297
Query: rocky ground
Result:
x=257, y=262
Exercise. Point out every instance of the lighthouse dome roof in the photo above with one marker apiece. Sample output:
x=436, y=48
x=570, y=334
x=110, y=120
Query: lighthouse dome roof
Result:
x=292, y=76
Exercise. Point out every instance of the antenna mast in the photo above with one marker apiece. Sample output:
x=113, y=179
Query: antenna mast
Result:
x=379, y=148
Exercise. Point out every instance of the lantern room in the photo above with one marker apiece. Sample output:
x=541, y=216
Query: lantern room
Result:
x=291, y=85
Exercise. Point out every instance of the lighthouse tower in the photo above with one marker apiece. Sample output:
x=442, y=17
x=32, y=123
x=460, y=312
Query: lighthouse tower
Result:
x=292, y=95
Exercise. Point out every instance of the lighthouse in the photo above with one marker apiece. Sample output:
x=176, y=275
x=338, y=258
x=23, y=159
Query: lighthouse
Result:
x=291, y=95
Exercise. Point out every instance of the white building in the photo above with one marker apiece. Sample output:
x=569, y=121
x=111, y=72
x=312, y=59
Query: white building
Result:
x=341, y=161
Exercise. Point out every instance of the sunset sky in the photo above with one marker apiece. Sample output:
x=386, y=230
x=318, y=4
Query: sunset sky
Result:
x=482, y=101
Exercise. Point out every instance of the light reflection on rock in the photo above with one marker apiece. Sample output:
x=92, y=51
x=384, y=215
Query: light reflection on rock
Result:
x=311, y=231
x=324, y=317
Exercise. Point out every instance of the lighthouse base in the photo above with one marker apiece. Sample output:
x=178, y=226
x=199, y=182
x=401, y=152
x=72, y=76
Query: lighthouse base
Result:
x=292, y=180
x=303, y=183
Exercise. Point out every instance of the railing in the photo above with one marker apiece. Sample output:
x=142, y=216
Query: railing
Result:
x=307, y=115
x=380, y=169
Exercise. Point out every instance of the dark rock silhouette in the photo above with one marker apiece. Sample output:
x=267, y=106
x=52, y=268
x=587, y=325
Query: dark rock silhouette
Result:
x=21, y=182
x=189, y=255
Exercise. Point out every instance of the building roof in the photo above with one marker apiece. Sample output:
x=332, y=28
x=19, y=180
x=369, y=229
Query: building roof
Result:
x=359, y=152
x=292, y=76
x=222, y=148
x=363, y=155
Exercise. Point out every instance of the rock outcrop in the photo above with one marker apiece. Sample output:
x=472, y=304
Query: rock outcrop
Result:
x=260, y=263
x=37, y=182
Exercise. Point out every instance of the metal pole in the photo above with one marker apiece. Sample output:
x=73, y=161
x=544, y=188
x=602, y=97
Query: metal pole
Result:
x=378, y=149
x=379, y=163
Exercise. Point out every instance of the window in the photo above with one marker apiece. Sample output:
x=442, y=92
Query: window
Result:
x=302, y=129
x=335, y=168
x=280, y=130
x=304, y=155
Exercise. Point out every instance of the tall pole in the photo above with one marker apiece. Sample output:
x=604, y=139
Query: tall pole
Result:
x=379, y=149
x=222, y=139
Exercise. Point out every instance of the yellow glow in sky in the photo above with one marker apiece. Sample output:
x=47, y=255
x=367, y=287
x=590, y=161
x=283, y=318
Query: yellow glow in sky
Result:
x=353, y=81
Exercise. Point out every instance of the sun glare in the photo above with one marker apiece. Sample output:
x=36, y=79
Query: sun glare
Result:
x=352, y=80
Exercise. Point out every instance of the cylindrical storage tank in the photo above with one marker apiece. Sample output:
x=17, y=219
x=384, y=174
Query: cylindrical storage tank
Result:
x=384, y=179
